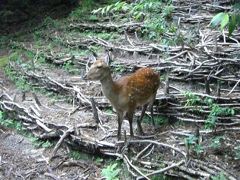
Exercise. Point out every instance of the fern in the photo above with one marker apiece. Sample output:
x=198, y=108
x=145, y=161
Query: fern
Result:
x=111, y=172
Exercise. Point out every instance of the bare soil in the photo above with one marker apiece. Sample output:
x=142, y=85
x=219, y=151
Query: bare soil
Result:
x=62, y=108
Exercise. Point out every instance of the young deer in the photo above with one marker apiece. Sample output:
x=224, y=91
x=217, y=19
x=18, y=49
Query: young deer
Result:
x=127, y=93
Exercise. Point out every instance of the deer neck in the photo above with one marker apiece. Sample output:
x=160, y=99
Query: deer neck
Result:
x=108, y=87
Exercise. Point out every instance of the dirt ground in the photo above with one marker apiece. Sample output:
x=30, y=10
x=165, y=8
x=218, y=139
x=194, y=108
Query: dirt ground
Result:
x=20, y=159
x=64, y=109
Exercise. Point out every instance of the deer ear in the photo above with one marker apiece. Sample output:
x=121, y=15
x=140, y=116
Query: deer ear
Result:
x=93, y=56
x=108, y=58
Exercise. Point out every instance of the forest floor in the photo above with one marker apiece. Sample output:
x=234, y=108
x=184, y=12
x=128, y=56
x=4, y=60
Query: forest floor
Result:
x=48, y=123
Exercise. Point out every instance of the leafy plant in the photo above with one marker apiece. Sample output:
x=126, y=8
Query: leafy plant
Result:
x=14, y=124
x=216, y=111
x=111, y=172
x=113, y=8
x=216, y=142
x=85, y=6
x=99, y=160
x=210, y=123
x=220, y=176
x=190, y=141
x=198, y=148
x=3, y=61
x=237, y=152
x=9, y=123
x=120, y=68
x=159, y=120
x=155, y=14
x=1, y=115
x=230, y=19
x=49, y=22
x=191, y=99
x=208, y=101
x=77, y=155
x=68, y=66
x=109, y=110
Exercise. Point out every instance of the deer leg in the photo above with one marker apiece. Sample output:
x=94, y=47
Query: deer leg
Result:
x=120, y=118
x=143, y=112
x=151, y=109
x=130, y=119
x=139, y=120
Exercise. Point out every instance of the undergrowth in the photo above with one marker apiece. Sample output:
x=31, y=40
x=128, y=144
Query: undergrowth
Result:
x=18, y=126
x=22, y=83
x=111, y=172
x=215, y=109
x=84, y=9
x=156, y=14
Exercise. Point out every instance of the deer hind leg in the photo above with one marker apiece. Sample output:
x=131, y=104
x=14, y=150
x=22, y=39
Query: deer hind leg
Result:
x=151, y=109
x=139, y=120
x=130, y=119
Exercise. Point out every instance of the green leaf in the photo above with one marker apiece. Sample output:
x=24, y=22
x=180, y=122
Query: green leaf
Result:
x=232, y=24
x=108, y=8
x=103, y=10
x=216, y=20
x=224, y=21
x=237, y=19
x=96, y=11
x=1, y=115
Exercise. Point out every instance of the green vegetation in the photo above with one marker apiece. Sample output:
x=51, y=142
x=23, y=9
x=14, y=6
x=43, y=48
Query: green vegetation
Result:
x=156, y=15
x=215, y=109
x=69, y=67
x=220, y=176
x=216, y=142
x=191, y=143
x=192, y=99
x=49, y=22
x=119, y=68
x=24, y=84
x=14, y=124
x=237, y=152
x=111, y=172
x=159, y=120
x=77, y=155
x=85, y=7
x=3, y=61
x=109, y=110
x=228, y=19
x=20, y=81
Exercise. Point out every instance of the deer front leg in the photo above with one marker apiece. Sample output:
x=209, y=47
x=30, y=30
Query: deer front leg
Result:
x=119, y=119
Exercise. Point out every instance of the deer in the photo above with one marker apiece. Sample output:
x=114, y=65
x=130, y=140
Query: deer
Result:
x=127, y=93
